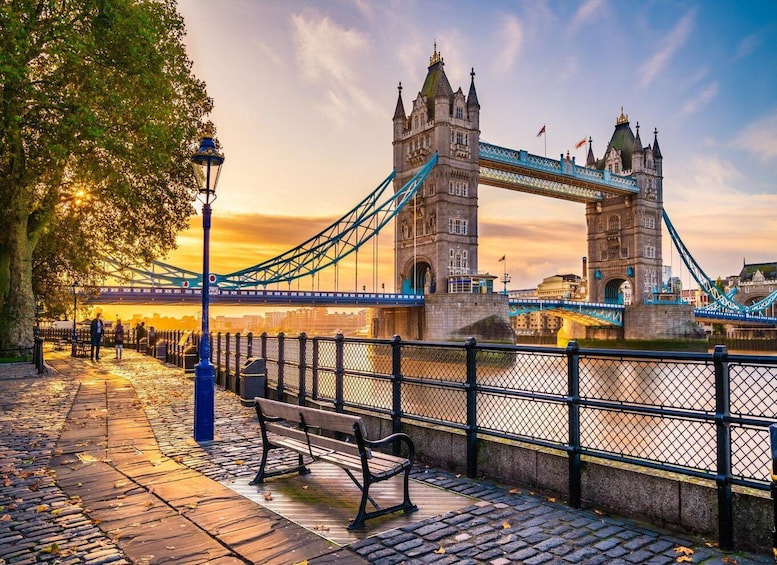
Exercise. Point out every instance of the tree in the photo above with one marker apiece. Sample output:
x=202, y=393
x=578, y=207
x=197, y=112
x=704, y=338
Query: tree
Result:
x=99, y=113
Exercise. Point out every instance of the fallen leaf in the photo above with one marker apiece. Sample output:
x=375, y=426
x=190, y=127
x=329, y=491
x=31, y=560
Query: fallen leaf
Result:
x=5, y=518
x=729, y=560
x=506, y=525
x=551, y=499
x=685, y=559
x=599, y=512
x=120, y=484
x=683, y=550
x=42, y=508
x=239, y=462
x=305, y=487
x=440, y=551
x=267, y=496
x=514, y=491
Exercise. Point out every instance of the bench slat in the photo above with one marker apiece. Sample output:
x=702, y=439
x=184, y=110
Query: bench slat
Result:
x=315, y=440
x=314, y=417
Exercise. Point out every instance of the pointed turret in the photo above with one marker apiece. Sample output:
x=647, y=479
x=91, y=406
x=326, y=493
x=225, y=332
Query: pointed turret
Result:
x=637, y=153
x=472, y=97
x=436, y=84
x=399, y=112
x=590, y=160
x=656, y=149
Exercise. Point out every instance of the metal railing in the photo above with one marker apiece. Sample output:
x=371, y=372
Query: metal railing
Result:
x=702, y=415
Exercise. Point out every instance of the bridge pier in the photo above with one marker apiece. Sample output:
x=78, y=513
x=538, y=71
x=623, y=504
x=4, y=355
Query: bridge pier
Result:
x=659, y=321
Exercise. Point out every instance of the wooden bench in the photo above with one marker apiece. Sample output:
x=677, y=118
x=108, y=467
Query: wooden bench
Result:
x=354, y=454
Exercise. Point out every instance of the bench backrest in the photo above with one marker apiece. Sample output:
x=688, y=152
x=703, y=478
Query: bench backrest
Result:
x=313, y=417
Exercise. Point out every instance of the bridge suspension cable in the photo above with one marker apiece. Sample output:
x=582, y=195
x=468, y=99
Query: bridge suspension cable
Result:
x=343, y=237
x=721, y=299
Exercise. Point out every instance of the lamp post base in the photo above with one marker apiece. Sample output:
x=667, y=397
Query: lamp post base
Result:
x=204, y=393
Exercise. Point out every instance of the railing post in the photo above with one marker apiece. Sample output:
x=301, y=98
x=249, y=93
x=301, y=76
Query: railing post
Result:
x=303, y=344
x=316, y=345
x=723, y=476
x=37, y=352
x=573, y=406
x=472, y=410
x=237, y=364
x=339, y=373
x=218, y=358
x=281, y=361
x=250, y=345
x=227, y=351
x=264, y=345
x=396, y=389
x=773, y=437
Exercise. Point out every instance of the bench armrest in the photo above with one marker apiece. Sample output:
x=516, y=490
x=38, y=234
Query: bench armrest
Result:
x=402, y=437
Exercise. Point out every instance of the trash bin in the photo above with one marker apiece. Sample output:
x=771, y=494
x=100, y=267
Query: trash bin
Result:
x=143, y=345
x=190, y=358
x=160, y=350
x=253, y=380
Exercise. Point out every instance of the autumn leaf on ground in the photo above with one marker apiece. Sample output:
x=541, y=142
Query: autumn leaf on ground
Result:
x=685, y=559
x=120, y=484
x=305, y=562
x=239, y=462
x=192, y=506
x=5, y=518
x=305, y=487
x=683, y=550
x=53, y=549
x=599, y=512
x=440, y=551
x=514, y=491
x=550, y=499
x=506, y=525
x=729, y=560
x=42, y=508
x=267, y=495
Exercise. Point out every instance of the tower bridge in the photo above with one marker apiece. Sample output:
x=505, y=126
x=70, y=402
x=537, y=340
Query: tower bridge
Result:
x=439, y=164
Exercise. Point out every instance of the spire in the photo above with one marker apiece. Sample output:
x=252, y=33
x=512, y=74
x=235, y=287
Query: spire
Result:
x=637, y=145
x=436, y=57
x=622, y=119
x=472, y=97
x=656, y=149
x=399, y=113
x=590, y=160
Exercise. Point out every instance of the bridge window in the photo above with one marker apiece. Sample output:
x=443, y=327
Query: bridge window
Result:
x=457, y=226
x=650, y=250
x=459, y=138
x=649, y=221
x=458, y=188
x=459, y=113
x=614, y=223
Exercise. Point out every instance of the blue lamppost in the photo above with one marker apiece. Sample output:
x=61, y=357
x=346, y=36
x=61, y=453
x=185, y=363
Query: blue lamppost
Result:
x=206, y=163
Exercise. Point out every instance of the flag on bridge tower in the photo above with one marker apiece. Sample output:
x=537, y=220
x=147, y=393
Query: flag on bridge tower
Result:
x=542, y=131
x=503, y=258
x=580, y=143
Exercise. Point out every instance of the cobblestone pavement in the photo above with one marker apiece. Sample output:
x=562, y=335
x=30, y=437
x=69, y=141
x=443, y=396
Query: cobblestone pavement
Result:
x=38, y=523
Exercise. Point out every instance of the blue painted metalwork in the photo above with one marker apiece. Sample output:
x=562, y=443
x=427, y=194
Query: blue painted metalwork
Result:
x=233, y=297
x=586, y=313
x=723, y=303
x=520, y=170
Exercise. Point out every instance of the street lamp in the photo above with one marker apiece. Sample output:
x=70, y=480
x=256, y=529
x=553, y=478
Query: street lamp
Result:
x=74, y=337
x=206, y=163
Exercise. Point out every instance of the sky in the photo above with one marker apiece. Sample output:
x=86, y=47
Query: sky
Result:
x=305, y=91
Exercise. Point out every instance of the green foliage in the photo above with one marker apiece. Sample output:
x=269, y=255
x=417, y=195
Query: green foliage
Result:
x=99, y=112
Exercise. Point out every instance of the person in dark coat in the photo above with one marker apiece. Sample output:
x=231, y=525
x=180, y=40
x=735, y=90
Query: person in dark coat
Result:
x=119, y=339
x=96, y=334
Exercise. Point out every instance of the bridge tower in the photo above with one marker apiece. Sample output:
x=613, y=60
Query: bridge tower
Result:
x=624, y=232
x=436, y=233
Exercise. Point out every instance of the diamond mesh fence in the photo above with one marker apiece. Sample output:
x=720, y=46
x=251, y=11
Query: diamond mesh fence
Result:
x=674, y=441
x=530, y=372
x=678, y=384
x=434, y=363
x=753, y=390
x=538, y=419
x=751, y=456
x=367, y=391
x=435, y=402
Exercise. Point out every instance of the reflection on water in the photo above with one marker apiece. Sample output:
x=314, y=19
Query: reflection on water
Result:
x=629, y=383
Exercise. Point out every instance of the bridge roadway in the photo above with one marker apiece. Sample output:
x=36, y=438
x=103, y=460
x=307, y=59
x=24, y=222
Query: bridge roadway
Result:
x=586, y=313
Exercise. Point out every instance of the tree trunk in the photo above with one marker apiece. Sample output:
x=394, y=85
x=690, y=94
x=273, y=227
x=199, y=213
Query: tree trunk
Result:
x=17, y=303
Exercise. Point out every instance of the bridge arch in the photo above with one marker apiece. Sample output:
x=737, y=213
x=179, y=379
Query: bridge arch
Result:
x=618, y=290
x=421, y=277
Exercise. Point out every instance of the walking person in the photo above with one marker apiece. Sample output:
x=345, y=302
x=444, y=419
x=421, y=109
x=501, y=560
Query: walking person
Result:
x=118, y=339
x=96, y=334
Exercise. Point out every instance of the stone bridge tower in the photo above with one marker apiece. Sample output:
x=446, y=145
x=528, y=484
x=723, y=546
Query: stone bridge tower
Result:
x=624, y=232
x=436, y=233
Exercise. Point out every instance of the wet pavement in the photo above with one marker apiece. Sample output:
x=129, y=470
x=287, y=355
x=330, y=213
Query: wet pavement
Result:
x=98, y=465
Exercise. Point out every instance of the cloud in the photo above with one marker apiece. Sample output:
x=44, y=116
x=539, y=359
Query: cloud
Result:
x=748, y=45
x=510, y=38
x=669, y=45
x=700, y=99
x=328, y=56
x=759, y=138
x=585, y=14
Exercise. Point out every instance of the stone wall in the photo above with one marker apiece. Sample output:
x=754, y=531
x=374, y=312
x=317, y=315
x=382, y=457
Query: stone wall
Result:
x=658, y=321
x=455, y=317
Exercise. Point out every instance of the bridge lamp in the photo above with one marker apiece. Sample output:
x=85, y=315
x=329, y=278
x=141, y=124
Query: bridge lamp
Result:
x=206, y=163
x=74, y=337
